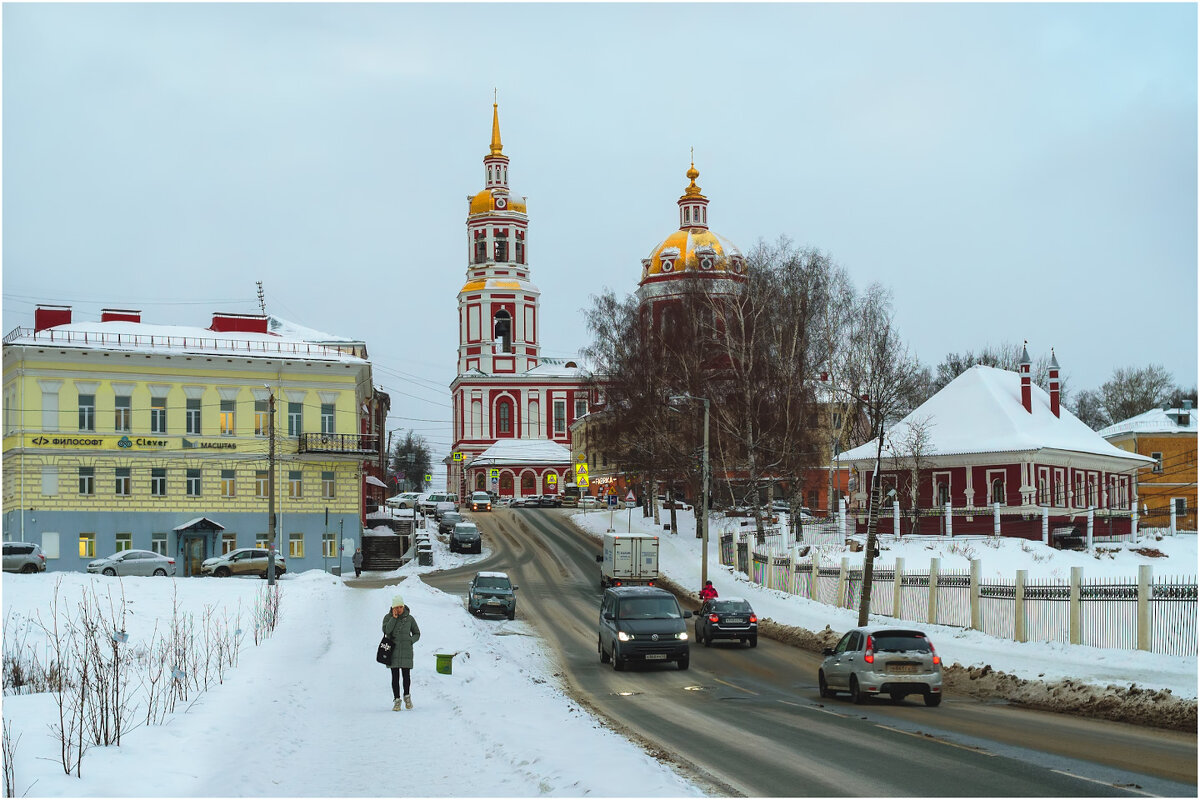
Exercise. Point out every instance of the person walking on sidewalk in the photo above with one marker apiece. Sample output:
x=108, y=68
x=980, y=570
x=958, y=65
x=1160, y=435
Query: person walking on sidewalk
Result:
x=357, y=561
x=400, y=625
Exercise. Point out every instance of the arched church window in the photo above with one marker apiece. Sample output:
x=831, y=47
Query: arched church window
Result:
x=479, y=482
x=998, y=491
x=687, y=214
x=501, y=235
x=506, y=484
x=943, y=493
x=528, y=484
x=504, y=418
x=503, y=330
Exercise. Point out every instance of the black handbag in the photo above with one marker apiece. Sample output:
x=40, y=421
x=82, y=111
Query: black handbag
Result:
x=384, y=654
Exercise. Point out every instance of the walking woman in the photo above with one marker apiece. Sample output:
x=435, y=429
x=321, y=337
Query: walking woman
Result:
x=402, y=628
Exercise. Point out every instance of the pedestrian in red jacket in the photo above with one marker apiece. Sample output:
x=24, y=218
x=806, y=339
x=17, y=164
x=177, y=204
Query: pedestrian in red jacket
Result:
x=709, y=592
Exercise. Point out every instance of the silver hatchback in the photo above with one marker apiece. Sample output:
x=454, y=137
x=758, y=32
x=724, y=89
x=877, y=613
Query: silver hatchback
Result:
x=134, y=562
x=880, y=660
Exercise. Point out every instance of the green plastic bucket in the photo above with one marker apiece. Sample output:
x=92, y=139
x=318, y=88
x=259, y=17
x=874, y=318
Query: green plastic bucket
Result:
x=445, y=663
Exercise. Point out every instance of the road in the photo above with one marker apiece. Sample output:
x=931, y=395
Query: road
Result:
x=751, y=721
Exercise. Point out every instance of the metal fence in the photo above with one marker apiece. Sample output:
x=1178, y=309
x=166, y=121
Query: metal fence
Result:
x=1142, y=613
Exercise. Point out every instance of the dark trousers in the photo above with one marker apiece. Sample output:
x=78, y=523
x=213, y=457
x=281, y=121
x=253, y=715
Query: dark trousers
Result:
x=357, y=571
x=396, y=681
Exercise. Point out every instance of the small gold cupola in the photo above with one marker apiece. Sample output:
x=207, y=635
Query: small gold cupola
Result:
x=693, y=206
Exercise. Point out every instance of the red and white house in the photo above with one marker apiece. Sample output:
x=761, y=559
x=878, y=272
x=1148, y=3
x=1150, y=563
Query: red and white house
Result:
x=505, y=391
x=995, y=438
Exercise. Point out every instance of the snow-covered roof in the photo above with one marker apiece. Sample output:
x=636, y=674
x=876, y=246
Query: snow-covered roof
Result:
x=290, y=330
x=980, y=411
x=1156, y=420
x=556, y=368
x=491, y=575
x=524, y=451
x=141, y=337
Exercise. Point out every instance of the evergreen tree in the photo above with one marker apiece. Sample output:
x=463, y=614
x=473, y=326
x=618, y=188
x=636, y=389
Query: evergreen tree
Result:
x=411, y=461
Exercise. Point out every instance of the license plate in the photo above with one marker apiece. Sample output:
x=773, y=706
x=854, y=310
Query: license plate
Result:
x=494, y=603
x=656, y=656
x=735, y=621
x=902, y=668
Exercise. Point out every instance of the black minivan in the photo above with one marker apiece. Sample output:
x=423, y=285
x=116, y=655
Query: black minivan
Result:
x=642, y=623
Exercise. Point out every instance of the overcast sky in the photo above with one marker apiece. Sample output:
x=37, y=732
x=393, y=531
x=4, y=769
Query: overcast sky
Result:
x=1011, y=171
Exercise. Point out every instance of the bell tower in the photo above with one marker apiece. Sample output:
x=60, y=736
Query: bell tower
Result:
x=498, y=304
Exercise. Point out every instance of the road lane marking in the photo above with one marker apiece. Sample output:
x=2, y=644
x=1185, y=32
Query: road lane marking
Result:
x=813, y=708
x=929, y=738
x=735, y=686
x=1106, y=783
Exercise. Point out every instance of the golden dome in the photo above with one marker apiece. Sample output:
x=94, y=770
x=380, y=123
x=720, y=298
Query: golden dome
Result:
x=494, y=200
x=692, y=190
x=697, y=251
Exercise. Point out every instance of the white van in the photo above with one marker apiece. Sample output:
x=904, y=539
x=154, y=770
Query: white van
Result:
x=429, y=502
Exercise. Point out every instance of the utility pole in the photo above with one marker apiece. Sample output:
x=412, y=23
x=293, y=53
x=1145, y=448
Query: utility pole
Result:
x=704, y=503
x=270, y=487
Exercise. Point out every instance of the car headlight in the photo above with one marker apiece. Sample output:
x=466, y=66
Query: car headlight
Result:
x=623, y=636
x=682, y=635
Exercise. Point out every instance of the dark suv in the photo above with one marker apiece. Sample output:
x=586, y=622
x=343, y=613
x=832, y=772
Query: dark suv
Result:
x=492, y=593
x=465, y=538
x=642, y=623
x=23, y=557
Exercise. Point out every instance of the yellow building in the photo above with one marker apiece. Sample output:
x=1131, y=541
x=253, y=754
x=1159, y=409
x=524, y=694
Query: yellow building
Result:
x=1169, y=436
x=118, y=434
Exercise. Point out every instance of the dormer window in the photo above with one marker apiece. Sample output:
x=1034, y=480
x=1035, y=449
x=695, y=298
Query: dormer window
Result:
x=707, y=256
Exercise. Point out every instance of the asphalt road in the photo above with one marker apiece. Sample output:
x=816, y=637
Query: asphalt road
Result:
x=751, y=721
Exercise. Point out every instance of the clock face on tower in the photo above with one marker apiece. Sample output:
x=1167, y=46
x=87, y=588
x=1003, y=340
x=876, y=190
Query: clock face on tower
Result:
x=501, y=203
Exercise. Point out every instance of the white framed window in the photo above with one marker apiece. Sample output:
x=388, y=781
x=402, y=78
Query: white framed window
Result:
x=328, y=425
x=997, y=488
x=87, y=545
x=228, y=420
x=1158, y=463
x=329, y=545
x=124, y=542
x=295, y=545
x=123, y=413
x=87, y=412
x=121, y=485
x=580, y=407
x=50, y=544
x=327, y=485
x=158, y=415
x=158, y=543
x=1059, y=489
x=50, y=480
x=261, y=418
x=87, y=480
x=295, y=484
x=228, y=483
x=49, y=410
x=295, y=419
x=158, y=482
x=192, y=416
x=560, y=416
x=260, y=483
x=228, y=542
x=193, y=483
x=261, y=541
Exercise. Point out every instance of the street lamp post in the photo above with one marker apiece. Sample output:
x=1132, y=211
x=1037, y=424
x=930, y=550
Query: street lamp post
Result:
x=703, y=518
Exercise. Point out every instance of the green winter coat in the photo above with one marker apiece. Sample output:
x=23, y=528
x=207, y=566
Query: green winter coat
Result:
x=403, y=631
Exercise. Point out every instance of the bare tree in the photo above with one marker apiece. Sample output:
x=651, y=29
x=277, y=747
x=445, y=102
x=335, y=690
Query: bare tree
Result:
x=882, y=375
x=912, y=449
x=1132, y=391
x=1006, y=355
x=1088, y=406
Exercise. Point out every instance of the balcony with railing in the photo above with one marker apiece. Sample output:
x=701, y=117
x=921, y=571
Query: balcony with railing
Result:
x=365, y=444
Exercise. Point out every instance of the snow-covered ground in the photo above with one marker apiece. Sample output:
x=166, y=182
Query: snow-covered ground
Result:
x=309, y=713
x=679, y=560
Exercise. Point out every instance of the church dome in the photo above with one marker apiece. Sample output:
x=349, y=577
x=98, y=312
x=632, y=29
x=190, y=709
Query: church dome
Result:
x=490, y=200
x=693, y=250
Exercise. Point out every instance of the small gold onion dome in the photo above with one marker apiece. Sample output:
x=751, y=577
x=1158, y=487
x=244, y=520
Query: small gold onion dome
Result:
x=484, y=203
x=692, y=190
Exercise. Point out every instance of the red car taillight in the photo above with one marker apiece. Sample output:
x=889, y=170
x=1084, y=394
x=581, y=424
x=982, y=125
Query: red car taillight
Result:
x=754, y=617
x=936, y=658
x=869, y=656
x=171, y=561
x=713, y=618
x=42, y=556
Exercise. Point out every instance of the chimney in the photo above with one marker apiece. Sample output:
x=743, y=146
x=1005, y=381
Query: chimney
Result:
x=119, y=315
x=47, y=316
x=239, y=323
x=1054, y=408
x=1026, y=389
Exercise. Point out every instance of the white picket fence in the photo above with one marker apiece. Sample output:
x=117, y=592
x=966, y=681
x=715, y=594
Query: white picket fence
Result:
x=1142, y=613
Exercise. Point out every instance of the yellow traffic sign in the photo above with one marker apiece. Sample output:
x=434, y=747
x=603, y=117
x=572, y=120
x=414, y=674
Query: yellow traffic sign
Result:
x=458, y=456
x=495, y=473
x=582, y=482
x=581, y=469
x=552, y=478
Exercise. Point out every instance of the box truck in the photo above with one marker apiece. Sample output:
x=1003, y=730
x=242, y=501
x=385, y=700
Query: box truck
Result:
x=629, y=559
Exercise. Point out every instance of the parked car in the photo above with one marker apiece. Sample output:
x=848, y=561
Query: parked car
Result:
x=23, y=557
x=642, y=623
x=243, y=561
x=429, y=502
x=727, y=618
x=550, y=501
x=570, y=501
x=481, y=501
x=402, y=500
x=502, y=502
x=448, y=521
x=879, y=660
x=783, y=507
x=133, y=562
x=465, y=538
x=588, y=503
x=533, y=501
x=442, y=508
x=492, y=593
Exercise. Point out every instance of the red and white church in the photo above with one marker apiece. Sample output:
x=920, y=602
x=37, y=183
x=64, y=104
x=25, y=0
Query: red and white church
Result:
x=513, y=408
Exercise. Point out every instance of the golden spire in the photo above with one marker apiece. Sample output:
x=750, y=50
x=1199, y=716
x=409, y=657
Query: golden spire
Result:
x=497, y=147
x=693, y=190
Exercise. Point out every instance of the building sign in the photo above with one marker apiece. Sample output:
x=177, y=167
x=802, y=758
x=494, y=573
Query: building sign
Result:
x=123, y=443
x=66, y=441
x=188, y=444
